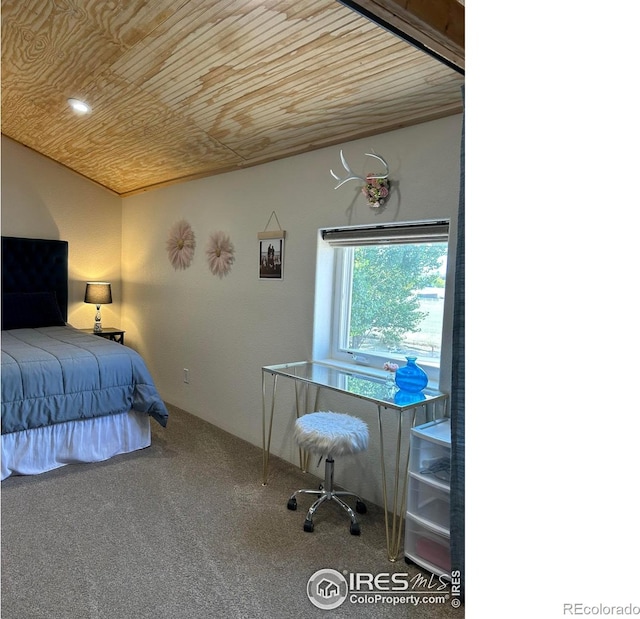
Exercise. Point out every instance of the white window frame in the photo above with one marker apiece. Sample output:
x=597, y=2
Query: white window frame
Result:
x=333, y=260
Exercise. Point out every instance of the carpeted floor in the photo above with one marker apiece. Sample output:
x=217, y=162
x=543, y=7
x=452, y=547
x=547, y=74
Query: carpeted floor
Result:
x=183, y=529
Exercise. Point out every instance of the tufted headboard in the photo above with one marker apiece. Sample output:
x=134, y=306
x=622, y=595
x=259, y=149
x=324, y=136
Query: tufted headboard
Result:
x=36, y=265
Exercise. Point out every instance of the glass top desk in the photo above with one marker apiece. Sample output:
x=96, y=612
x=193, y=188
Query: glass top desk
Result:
x=378, y=391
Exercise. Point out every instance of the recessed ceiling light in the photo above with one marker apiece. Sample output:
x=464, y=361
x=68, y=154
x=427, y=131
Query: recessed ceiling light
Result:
x=79, y=106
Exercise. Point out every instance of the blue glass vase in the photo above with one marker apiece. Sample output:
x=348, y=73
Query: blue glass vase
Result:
x=411, y=378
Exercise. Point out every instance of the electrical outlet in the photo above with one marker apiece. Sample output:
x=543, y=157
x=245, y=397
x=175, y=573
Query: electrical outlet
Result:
x=186, y=376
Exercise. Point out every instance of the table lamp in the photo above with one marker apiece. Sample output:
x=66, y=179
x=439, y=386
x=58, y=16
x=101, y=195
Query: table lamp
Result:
x=98, y=293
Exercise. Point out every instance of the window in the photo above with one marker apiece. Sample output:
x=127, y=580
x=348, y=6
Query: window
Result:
x=388, y=300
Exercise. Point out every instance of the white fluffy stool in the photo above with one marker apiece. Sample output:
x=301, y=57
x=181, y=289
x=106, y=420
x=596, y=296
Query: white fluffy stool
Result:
x=330, y=434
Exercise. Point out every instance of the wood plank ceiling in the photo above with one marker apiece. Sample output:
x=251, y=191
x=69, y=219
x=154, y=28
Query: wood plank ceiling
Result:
x=181, y=89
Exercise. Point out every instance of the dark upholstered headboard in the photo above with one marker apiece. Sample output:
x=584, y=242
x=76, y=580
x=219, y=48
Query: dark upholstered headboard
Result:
x=36, y=265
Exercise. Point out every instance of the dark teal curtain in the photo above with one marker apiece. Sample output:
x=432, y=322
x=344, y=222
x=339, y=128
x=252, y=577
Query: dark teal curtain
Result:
x=457, y=391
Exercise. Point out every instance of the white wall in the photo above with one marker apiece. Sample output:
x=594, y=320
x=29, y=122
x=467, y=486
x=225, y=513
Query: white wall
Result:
x=42, y=199
x=225, y=330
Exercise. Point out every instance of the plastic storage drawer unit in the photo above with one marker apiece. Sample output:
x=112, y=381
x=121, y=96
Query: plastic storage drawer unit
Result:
x=428, y=500
x=427, y=547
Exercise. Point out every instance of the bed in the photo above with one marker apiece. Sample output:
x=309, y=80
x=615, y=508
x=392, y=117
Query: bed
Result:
x=67, y=396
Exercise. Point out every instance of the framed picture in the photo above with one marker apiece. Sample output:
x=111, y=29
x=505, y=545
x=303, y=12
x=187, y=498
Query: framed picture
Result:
x=271, y=254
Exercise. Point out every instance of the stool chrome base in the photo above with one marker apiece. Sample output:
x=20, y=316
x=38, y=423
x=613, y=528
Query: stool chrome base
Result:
x=327, y=493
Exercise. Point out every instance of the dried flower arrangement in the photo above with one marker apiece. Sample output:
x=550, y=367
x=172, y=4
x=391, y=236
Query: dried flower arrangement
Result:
x=376, y=190
x=220, y=253
x=181, y=245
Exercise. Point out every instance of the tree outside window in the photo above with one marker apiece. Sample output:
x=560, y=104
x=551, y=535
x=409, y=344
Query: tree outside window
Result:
x=397, y=299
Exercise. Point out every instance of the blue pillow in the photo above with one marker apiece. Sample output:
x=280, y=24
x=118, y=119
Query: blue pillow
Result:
x=30, y=310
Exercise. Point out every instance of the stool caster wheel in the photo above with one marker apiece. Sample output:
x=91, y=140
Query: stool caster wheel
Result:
x=292, y=505
x=354, y=529
x=361, y=508
x=308, y=526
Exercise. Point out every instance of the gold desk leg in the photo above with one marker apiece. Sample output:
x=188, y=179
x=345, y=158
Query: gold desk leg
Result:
x=394, y=517
x=315, y=408
x=266, y=438
x=304, y=456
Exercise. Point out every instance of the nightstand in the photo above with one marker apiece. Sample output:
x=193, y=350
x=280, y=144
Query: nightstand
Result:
x=109, y=333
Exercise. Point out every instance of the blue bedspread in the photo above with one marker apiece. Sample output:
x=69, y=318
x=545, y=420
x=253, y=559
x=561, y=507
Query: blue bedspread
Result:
x=56, y=374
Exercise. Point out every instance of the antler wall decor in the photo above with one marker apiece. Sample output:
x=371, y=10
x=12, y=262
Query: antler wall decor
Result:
x=376, y=186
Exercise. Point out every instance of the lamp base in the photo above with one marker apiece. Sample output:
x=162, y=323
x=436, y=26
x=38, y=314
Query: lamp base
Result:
x=97, y=327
